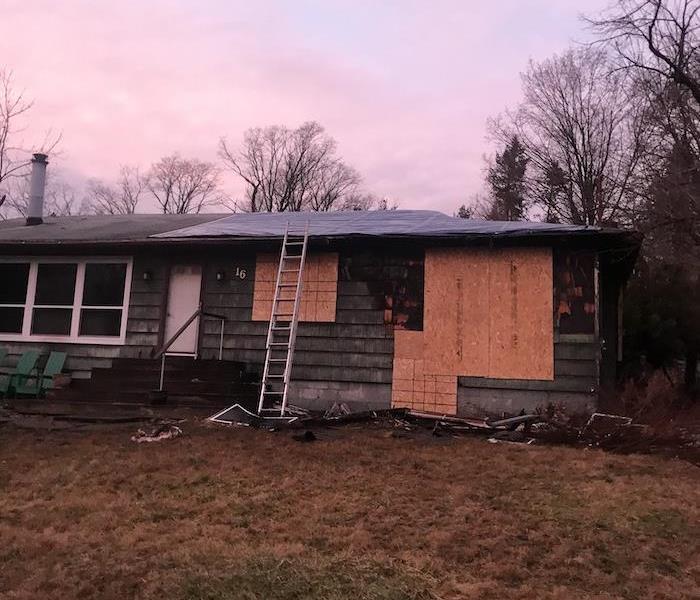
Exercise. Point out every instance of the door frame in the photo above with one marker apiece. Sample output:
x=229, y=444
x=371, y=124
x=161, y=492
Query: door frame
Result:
x=166, y=300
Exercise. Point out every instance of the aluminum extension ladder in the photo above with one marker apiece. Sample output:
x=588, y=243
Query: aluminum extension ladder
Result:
x=282, y=331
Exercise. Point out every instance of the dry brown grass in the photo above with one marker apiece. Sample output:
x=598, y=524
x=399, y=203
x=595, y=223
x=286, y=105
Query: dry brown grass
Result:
x=238, y=513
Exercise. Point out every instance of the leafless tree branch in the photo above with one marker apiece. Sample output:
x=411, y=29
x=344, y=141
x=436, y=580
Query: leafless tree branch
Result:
x=290, y=170
x=182, y=186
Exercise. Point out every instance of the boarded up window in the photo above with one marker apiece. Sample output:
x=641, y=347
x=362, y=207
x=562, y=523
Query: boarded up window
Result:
x=319, y=292
x=574, y=292
x=396, y=279
x=488, y=313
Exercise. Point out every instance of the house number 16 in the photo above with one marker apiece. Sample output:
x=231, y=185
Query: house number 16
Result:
x=241, y=273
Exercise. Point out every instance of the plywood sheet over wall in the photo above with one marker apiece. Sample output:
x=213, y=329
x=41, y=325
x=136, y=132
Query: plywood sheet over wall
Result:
x=412, y=386
x=488, y=313
x=319, y=291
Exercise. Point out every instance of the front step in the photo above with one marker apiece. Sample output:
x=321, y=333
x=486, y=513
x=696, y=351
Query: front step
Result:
x=187, y=382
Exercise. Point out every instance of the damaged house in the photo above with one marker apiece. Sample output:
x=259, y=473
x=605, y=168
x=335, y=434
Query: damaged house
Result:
x=398, y=308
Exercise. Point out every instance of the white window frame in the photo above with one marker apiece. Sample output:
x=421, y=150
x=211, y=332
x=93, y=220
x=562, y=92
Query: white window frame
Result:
x=76, y=307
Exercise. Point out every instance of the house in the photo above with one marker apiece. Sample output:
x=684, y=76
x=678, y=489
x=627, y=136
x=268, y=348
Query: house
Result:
x=403, y=308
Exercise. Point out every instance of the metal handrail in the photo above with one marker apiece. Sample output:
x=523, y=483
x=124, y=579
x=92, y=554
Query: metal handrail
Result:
x=164, y=348
x=161, y=352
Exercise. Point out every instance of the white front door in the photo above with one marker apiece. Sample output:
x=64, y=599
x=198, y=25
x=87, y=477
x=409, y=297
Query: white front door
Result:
x=183, y=301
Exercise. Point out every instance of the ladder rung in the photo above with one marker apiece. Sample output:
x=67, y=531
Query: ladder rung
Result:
x=287, y=285
x=275, y=376
x=290, y=270
x=284, y=360
x=279, y=343
x=273, y=393
x=281, y=328
x=301, y=243
x=294, y=256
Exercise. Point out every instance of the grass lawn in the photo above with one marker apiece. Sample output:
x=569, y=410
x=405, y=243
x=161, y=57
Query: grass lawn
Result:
x=237, y=513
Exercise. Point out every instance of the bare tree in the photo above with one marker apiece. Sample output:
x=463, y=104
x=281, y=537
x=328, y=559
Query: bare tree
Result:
x=583, y=132
x=120, y=199
x=15, y=159
x=182, y=186
x=290, y=170
x=60, y=197
x=366, y=201
x=12, y=106
x=13, y=162
x=480, y=206
x=656, y=36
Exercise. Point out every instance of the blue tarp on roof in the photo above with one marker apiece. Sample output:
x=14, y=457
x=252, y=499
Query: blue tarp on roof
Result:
x=383, y=223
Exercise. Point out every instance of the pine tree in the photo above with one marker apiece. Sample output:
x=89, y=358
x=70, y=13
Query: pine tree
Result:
x=506, y=179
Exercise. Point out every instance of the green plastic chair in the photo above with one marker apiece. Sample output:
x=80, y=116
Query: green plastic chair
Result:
x=36, y=386
x=23, y=371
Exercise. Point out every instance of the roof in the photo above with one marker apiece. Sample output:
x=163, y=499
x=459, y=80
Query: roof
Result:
x=393, y=224
x=96, y=228
x=382, y=223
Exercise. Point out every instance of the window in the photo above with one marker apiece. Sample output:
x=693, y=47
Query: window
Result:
x=70, y=300
x=103, y=297
x=53, y=299
x=574, y=292
x=13, y=294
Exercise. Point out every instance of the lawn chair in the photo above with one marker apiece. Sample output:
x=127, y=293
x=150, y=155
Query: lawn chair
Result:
x=23, y=371
x=37, y=386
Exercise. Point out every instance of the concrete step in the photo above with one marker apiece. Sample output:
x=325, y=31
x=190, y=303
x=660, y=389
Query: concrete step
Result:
x=133, y=397
x=186, y=382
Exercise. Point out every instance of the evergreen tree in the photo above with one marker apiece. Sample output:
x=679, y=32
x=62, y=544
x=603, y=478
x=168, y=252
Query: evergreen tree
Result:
x=465, y=213
x=506, y=179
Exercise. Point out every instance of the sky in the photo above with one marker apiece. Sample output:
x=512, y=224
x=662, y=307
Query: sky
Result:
x=405, y=87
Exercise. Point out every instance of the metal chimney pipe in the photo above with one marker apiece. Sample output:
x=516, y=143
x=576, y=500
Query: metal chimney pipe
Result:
x=37, y=184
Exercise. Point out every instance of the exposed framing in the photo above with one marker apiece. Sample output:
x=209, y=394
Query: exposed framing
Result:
x=73, y=337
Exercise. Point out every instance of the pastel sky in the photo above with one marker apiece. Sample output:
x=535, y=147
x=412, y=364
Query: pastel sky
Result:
x=405, y=86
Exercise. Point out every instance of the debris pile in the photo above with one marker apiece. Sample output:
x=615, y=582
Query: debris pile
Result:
x=615, y=433
x=164, y=431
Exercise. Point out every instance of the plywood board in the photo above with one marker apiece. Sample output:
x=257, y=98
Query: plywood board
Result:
x=520, y=291
x=412, y=387
x=319, y=291
x=488, y=313
x=456, y=320
x=408, y=344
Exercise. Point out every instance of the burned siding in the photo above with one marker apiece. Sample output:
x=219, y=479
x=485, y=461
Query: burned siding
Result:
x=574, y=292
x=395, y=280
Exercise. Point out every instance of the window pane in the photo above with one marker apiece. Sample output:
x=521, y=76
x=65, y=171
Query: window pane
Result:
x=104, y=284
x=100, y=321
x=13, y=282
x=53, y=321
x=55, y=284
x=11, y=319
